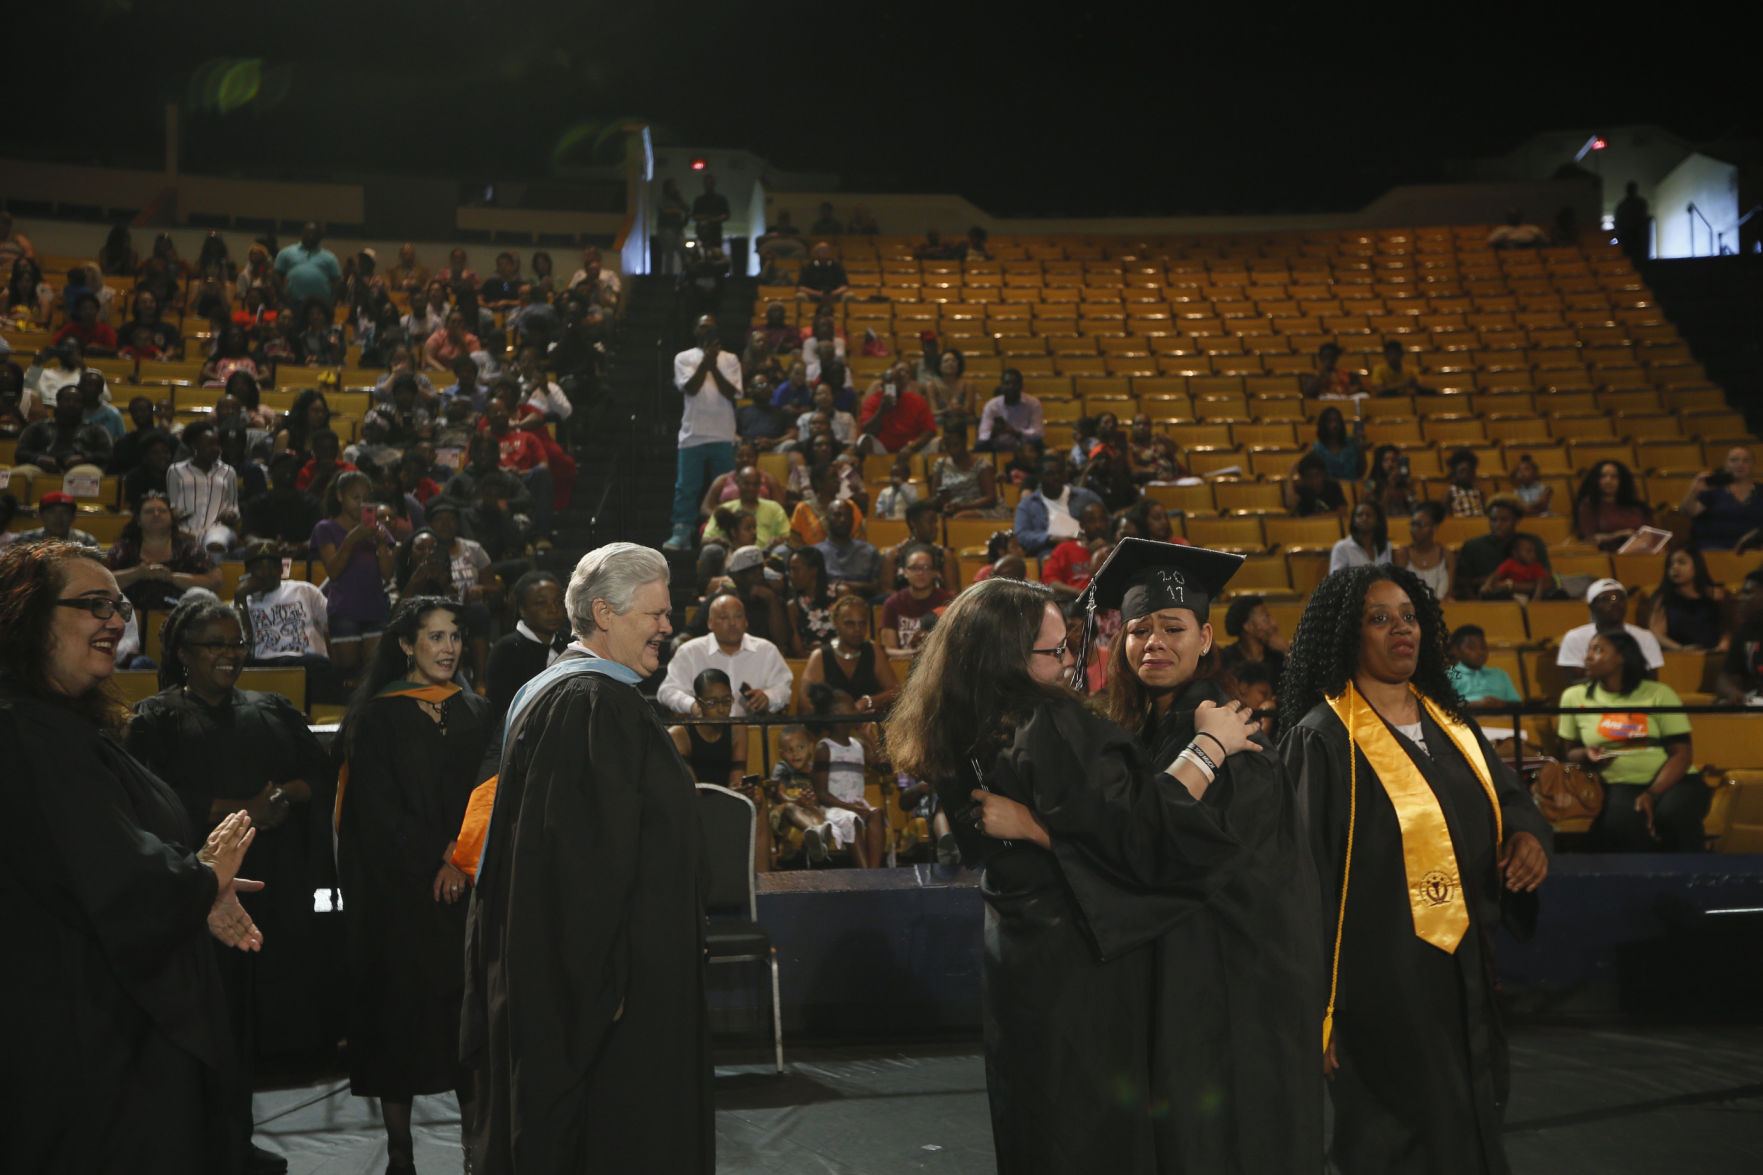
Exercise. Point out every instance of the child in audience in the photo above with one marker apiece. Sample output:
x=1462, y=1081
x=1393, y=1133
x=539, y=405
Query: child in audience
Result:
x=839, y=761
x=793, y=801
x=1528, y=489
x=1482, y=688
x=900, y=492
x=1465, y=500
x=141, y=345
x=1523, y=573
x=1252, y=684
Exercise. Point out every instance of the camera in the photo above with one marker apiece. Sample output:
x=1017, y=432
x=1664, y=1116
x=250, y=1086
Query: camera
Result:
x=1720, y=478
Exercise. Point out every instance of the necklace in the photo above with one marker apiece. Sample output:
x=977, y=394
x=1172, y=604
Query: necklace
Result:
x=436, y=711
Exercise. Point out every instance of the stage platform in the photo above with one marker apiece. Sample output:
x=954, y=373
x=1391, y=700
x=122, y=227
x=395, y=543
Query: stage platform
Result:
x=1611, y=1101
x=868, y=954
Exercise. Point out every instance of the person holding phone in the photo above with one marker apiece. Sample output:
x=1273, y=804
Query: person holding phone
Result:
x=358, y=558
x=1724, y=505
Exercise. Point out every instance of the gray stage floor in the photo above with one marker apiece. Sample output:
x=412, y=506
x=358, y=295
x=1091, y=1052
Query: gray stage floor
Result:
x=1585, y=1100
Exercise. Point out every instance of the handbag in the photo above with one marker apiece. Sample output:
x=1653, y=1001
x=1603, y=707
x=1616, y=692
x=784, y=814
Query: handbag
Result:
x=1566, y=791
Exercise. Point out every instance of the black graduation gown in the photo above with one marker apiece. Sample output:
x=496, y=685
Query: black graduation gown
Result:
x=584, y=1020
x=115, y=1027
x=1068, y=1050
x=1238, y=986
x=402, y=806
x=229, y=752
x=1423, y=1077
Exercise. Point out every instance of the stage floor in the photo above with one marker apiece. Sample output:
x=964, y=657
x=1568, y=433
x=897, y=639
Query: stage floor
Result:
x=1597, y=1101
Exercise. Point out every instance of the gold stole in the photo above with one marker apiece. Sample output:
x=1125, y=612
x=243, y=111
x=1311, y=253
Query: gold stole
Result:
x=1435, y=885
x=433, y=694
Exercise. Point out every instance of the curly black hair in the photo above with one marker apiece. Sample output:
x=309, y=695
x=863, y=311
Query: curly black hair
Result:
x=1325, y=652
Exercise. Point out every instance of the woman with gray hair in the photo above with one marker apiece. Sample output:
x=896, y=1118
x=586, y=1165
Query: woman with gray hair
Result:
x=589, y=904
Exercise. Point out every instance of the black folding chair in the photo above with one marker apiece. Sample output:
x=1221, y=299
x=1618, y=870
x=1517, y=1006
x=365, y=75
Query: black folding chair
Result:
x=734, y=934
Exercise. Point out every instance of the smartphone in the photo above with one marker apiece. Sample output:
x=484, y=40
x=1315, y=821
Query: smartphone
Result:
x=287, y=568
x=1403, y=463
x=370, y=515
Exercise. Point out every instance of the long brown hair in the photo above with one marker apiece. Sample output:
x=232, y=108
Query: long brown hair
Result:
x=1132, y=705
x=971, y=683
x=31, y=578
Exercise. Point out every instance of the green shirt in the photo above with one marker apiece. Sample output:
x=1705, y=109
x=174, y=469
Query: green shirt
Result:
x=1644, y=733
x=1486, y=682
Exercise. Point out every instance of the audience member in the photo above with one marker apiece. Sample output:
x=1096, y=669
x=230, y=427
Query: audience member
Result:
x=1481, y=556
x=947, y=388
x=1051, y=514
x=1151, y=455
x=1342, y=451
x=65, y=442
x=823, y=279
x=27, y=291
x=1607, y=601
x=924, y=532
x=55, y=514
x=84, y=327
x=851, y=662
x=1608, y=509
x=709, y=212
x=155, y=561
x=1652, y=800
x=1010, y=417
x=204, y=490
x=1741, y=674
x=841, y=758
x=285, y=619
x=285, y=514
x=1480, y=687
x=853, y=565
x=1367, y=541
x=1634, y=222
x=963, y=485
x=896, y=419
x=1724, y=505
x=1392, y=378
x=745, y=577
x=325, y=463
x=1516, y=234
x=1068, y=567
x=824, y=343
x=1257, y=636
x=358, y=559
x=753, y=663
x=1329, y=381
x=149, y=474
x=308, y=270
x=96, y=408
x=1388, y=483
x=710, y=380
x=899, y=495
x=523, y=454
x=161, y=334
x=1251, y=684
x=1688, y=611
x=905, y=610
x=1522, y=575
x=1464, y=496
x=1534, y=494
x=716, y=754
x=671, y=210
x=1310, y=490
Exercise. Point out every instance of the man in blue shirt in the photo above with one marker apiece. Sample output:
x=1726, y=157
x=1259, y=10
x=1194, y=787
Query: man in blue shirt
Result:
x=1482, y=688
x=1050, y=515
x=796, y=393
x=309, y=271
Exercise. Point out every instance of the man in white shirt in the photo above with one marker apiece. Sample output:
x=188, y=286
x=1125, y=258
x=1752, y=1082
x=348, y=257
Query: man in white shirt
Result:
x=204, y=491
x=759, y=673
x=1010, y=417
x=601, y=277
x=1608, y=602
x=288, y=616
x=710, y=380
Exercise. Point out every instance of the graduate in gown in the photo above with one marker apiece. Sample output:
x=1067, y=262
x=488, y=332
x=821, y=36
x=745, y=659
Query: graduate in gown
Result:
x=414, y=746
x=1235, y=998
x=1069, y=970
x=223, y=749
x=117, y=1046
x=1423, y=842
x=584, y=1013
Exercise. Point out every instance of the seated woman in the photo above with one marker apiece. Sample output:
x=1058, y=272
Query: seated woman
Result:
x=1367, y=541
x=26, y=291
x=1388, y=483
x=729, y=530
x=156, y=563
x=949, y=391
x=309, y=414
x=1652, y=801
x=1725, y=505
x=449, y=343
x=1608, y=510
x=1152, y=455
x=232, y=353
x=851, y=662
x=1689, y=609
x=962, y=484
x=808, y=521
x=716, y=754
x=1342, y=452
x=320, y=341
x=809, y=601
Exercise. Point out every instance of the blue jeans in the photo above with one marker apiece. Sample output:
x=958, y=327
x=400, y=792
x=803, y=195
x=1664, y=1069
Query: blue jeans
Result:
x=699, y=465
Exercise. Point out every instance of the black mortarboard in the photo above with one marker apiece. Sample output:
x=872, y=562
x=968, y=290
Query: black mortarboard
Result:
x=1143, y=576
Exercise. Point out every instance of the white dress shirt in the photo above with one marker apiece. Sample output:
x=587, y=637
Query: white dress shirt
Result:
x=757, y=664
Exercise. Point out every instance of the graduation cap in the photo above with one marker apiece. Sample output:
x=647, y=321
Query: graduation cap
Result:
x=1142, y=576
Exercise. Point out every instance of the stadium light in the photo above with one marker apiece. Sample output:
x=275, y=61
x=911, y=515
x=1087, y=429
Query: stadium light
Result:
x=1595, y=143
x=699, y=165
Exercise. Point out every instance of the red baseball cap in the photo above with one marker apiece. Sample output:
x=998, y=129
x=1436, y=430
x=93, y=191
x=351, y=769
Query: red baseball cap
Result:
x=56, y=498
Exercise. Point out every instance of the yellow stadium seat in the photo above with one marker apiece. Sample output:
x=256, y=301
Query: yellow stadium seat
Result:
x=1501, y=620
x=1320, y=531
x=1237, y=533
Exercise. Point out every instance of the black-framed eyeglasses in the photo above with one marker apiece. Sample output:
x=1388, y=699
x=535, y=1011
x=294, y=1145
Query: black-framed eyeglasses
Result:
x=236, y=646
x=707, y=703
x=1058, y=650
x=101, y=607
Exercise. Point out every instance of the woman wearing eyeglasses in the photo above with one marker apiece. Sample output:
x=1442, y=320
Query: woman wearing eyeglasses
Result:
x=226, y=750
x=114, y=1007
x=1069, y=969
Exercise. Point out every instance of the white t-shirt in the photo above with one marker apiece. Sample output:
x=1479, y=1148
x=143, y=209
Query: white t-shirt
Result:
x=1060, y=523
x=1578, y=640
x=289, y=622
x=709, y=416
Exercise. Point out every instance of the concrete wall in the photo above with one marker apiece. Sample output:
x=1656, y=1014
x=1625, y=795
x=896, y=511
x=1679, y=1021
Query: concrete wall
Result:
x=1713, y=187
